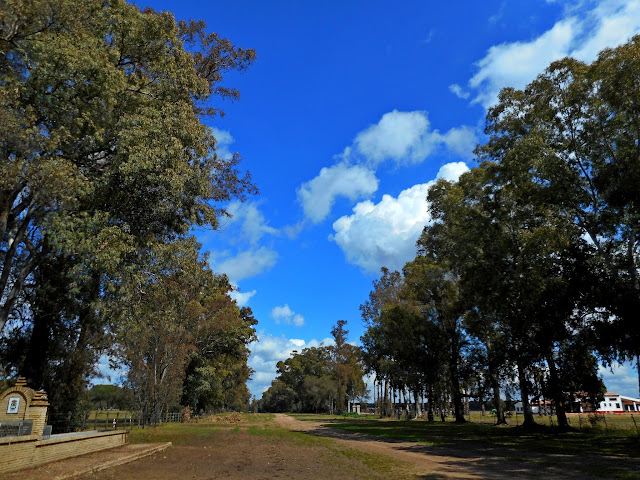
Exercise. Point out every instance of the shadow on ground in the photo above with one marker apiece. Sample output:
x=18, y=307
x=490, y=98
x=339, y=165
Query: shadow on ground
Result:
x=487, y=461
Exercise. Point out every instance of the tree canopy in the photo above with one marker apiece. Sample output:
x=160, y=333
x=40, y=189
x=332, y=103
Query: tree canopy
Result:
x=529, y=269
x=105, y=166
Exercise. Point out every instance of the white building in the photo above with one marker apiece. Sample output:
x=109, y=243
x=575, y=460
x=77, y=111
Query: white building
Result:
x=616, y=403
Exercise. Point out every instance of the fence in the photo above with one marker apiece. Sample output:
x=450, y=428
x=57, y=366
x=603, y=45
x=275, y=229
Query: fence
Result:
x=102, y=420
x=580, y=421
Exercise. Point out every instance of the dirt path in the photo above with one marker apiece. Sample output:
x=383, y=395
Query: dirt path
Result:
x=471, y=460
x=264, y=447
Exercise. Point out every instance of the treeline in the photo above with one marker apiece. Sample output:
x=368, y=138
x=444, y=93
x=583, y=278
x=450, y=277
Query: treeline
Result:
x=105, y=169
x=528, y=274
x=318, y=379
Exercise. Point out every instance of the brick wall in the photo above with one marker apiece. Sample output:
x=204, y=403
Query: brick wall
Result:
x=17, y=453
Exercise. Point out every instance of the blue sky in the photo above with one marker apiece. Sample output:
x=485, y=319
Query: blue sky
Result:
x=350, y=111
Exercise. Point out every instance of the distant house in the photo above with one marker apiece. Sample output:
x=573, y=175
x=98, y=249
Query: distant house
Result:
x=542, y=407
x=616, y=403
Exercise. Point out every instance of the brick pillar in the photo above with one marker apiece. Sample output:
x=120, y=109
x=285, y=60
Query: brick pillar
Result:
x=32, y=406
x=37, y=412
x=19, y=391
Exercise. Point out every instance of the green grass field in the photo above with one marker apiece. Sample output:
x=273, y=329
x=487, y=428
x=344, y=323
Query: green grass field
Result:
x=619, y=438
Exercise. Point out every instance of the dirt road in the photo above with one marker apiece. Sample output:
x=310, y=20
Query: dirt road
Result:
x=283, y=447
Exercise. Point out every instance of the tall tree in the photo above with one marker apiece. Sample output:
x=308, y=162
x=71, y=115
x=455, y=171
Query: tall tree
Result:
x=104, y=156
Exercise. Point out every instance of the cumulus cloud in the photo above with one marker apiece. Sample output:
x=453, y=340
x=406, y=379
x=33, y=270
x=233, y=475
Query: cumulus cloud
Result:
x=583, y=35
x=245, y=229
x=452, y=171
x=407, y=137
x=461, y=141
x=384, y=234
x=620, y=378
x=248, y=263
x=400, y=137
x=250, y=221
x=267, y=352
x=317, y=196
x=286, y=315
x=242, y=298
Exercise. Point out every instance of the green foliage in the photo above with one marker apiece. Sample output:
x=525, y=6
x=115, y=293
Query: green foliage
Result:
x=105, y=166
x=182, y=337
x=531, y=261
x=318, y=379
x=108, y=397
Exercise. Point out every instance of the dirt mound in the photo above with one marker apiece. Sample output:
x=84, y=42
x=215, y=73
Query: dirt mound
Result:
x=232, y=417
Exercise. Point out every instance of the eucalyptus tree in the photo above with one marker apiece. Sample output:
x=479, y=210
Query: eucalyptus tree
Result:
x=104, y=157
x=584, y=120
x=376, y=351
x=434, y=288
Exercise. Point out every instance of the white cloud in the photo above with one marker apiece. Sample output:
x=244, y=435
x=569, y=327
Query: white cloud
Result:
x=398, y=136
x=581, y=34
x=242, y=298
x=318, y=195
x=252, y=223
x=620, y=378
x=247, y=264
x=267, y=352
x=107, y=375
x=458, y=91
x=452, y=171
x=384, y=234
x=516, y=64
x=224, y=139
x=407, y=137
x=292, y=231
x=286, y=315
x=401, y=137
x=616, y=21
x=460, y=141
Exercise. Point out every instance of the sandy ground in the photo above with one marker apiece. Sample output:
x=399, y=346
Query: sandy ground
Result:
x=239, y=453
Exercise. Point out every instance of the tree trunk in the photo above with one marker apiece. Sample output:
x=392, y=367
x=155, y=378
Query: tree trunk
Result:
x=455, y=381
x=529, y=422
x=556, y=392
x=495, y=385
x=430, y=412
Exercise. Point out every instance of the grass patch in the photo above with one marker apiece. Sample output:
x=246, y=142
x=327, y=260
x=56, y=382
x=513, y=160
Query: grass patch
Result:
x=544, y=440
